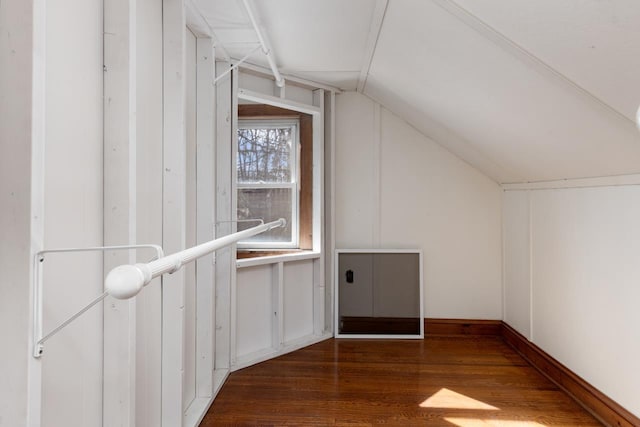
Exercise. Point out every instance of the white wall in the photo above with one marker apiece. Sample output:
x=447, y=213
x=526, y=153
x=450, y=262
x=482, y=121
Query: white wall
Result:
x=16, y=18
x=254, y=311
x=516, y=260
x=274, y=308
x=149, y=207
x=585, y=269
x=73, y=192
x=72, y=179
x=189, y=378
x=72, y=360
x=396, y=188
x=279, y=303
x=267, y=86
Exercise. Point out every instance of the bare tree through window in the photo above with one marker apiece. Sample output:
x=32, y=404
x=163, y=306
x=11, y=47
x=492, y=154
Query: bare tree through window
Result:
x=264, y=155
x=267, y=182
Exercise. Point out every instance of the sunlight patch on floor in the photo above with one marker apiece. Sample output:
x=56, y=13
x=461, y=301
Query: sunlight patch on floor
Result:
x=476, y=422
x=448, y=399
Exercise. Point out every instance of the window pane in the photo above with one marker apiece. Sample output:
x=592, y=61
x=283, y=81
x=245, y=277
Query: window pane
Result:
x=264, y=154
x=268, y=204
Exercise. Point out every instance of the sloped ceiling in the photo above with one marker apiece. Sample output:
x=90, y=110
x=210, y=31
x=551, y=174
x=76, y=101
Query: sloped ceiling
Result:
x=523, y=90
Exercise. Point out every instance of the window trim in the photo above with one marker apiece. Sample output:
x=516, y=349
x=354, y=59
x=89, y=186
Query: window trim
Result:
x=293, y=185
x=311, y=138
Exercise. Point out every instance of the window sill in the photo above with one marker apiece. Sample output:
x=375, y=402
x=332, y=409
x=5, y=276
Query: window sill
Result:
x=259, y=253
x=273, y=259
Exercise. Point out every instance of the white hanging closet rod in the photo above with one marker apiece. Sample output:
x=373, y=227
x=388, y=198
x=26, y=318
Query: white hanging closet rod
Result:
x=125, y=281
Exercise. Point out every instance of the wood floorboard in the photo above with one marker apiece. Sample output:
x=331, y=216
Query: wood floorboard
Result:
x=439, y=381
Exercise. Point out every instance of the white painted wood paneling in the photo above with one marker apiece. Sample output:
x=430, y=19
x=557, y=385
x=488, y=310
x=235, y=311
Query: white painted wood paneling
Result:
x=21, y=198
x=72, y=367
x=120, y=205
x=586, y=266
x=319, y=214
x=256, y=83
x=225, y=258
x=233, y=210
x=266, y=85
x=274, y=318
x=354, y=171
x=330, y=208
x=516, y=259
x=189, y=379
x=37, y=182
x=318, y=175
x=319, y=296
x=254, y=310
x=277, y=305
x=149, y=209
x=205, y=305
x=432, y=200
x=173, y=208
x=429, y=199
x=298, y=300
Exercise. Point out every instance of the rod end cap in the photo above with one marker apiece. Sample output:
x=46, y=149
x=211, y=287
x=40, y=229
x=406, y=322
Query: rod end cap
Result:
x=124, y=281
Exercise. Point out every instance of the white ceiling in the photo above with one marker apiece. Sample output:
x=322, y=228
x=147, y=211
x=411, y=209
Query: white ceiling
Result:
x=321, y=40
x=523, y=90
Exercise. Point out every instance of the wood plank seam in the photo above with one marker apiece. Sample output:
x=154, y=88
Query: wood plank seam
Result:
x=441, y=380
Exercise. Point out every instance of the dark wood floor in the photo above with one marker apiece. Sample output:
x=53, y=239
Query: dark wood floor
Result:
x=439, y=381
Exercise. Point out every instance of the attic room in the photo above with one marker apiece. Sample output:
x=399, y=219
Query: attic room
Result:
x=192, y=192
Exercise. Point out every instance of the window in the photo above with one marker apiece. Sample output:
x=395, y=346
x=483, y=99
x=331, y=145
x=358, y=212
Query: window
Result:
x=267, y=178
x=274, y=169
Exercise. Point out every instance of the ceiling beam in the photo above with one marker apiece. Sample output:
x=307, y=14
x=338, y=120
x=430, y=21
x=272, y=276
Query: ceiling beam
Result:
x=372, y=40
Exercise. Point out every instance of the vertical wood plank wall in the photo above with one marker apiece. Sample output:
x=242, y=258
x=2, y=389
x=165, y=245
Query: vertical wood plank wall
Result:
x=163, y=364
x=173, y=208
x=206, y=185
x=189, y=374
x=277, y=309
x=119, y=206
x=224, y=258
x=149, y=116
x=73, y=210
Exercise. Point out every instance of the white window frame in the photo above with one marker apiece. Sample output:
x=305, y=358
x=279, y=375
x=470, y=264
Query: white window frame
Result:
x=294, y=185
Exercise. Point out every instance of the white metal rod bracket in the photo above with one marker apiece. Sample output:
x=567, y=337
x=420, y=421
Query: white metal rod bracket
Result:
x=236, y=65
x=38, y=338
